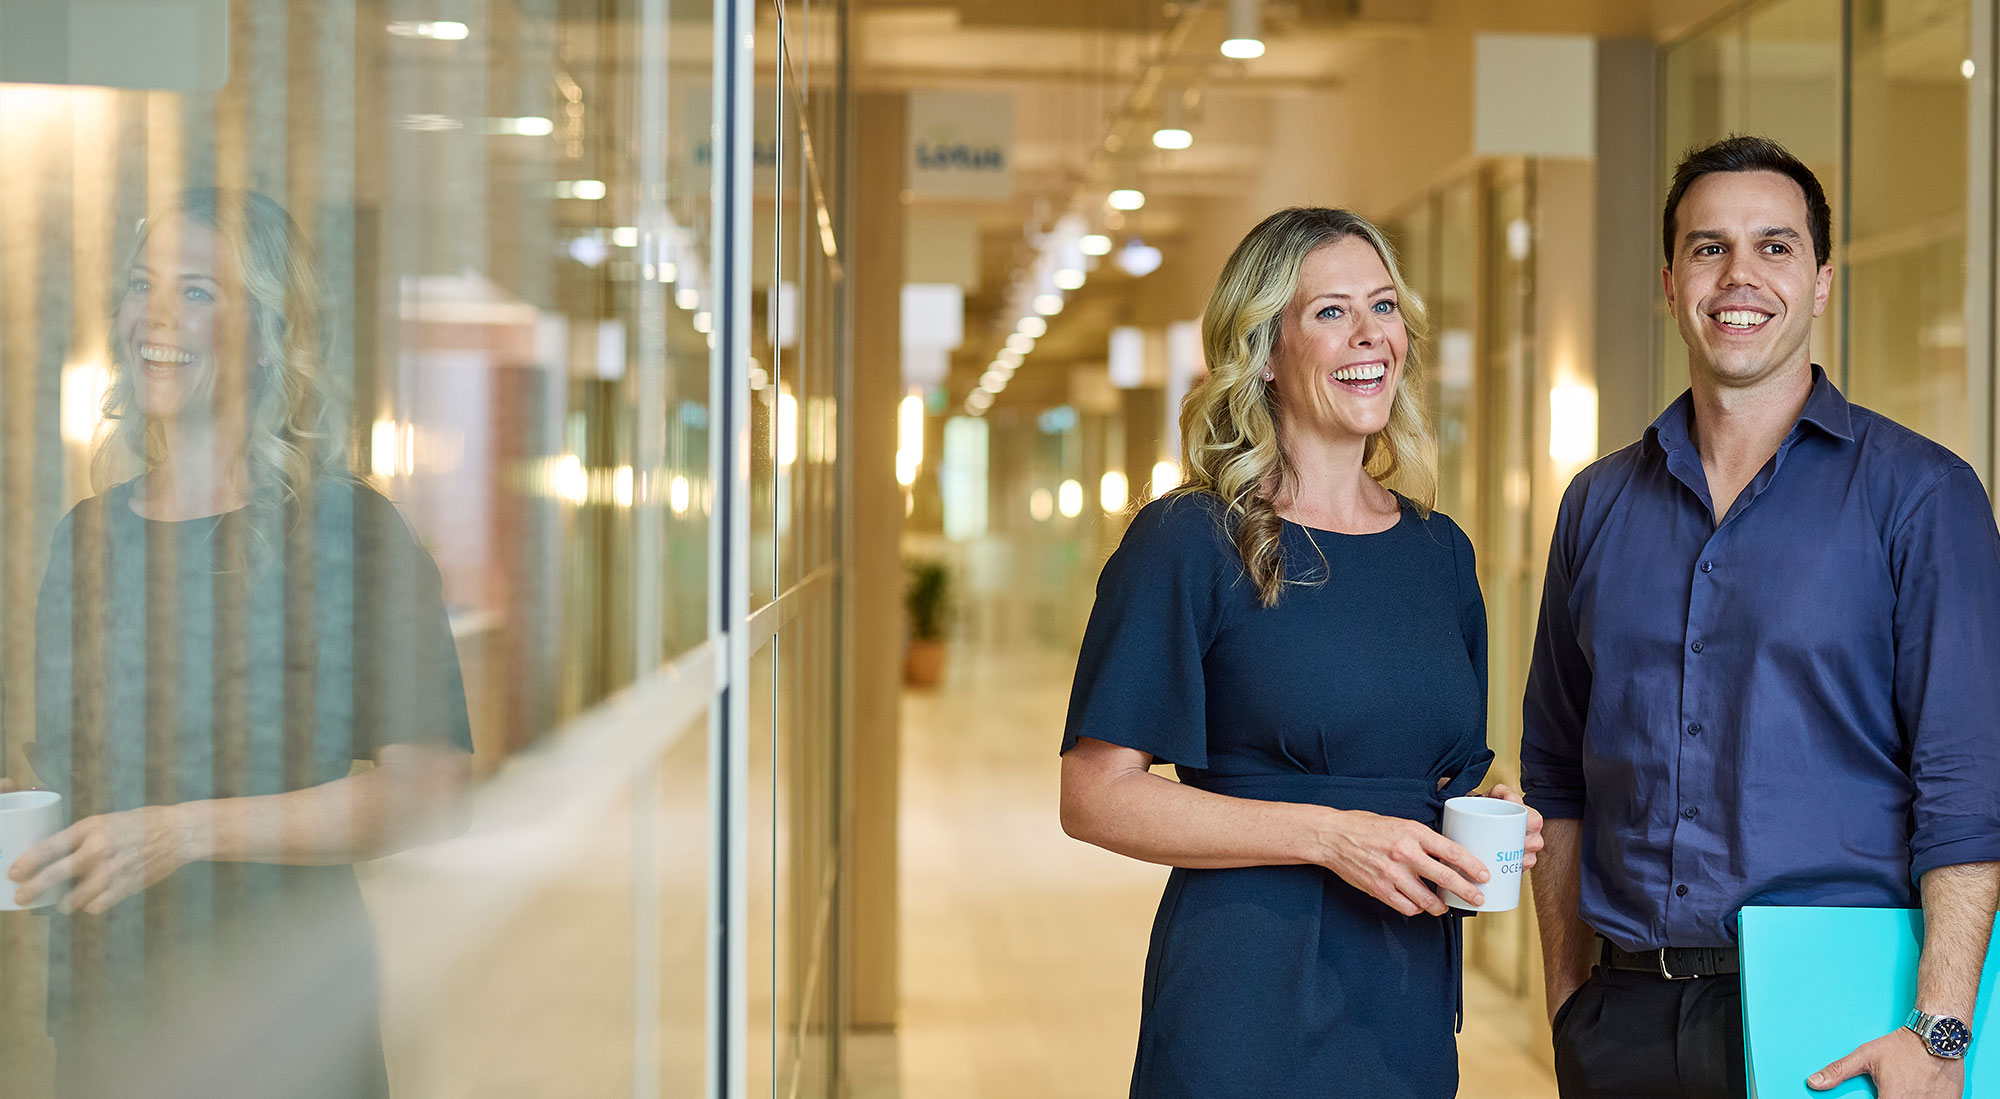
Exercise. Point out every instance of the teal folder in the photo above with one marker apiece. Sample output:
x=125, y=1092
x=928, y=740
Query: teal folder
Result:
x=1818, y=982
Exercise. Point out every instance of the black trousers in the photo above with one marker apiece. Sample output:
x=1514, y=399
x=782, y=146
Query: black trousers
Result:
x=1631, y=1035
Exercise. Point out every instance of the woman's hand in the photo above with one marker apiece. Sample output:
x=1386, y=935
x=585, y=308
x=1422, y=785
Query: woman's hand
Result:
x=1505, y=793
x=1390, y=859
x=8, y=786
x=107, y=858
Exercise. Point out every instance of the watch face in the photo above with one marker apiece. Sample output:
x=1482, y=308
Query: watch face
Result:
x=1949, y=1037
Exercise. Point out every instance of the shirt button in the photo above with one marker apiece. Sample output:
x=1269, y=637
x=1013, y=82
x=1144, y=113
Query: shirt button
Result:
x=1694, y=729
x=1680, y=890
x=1690, y=812
x=1696, y=646
x=1708, y=566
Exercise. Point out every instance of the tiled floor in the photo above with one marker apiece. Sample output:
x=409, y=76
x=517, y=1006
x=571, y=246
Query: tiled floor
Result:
x=1022, y=948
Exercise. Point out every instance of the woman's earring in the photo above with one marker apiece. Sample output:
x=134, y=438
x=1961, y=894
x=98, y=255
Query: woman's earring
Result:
x=1270, y=377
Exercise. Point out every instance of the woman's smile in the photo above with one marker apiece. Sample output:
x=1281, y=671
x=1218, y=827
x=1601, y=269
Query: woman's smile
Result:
x=161, y=359
x=1366, y=377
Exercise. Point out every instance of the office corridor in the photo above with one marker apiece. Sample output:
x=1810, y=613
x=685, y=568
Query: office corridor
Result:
x=1022, y=948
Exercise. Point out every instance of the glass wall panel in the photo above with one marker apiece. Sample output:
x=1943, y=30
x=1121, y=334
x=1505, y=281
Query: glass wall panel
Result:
x=355, y=519
x=1509, y=559
x=763, y=366
x=1906, y=237
x=679, y=237
x=491, y=990
x=792, y=894
x=761, y=932
x=806, y=856
x=1454, y=322
x=790, y=382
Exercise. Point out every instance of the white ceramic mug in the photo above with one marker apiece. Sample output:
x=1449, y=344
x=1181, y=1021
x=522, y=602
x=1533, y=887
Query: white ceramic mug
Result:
x=27, y=817
x=1496, y=832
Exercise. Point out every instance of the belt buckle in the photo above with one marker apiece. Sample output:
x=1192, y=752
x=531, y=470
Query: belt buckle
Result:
x=1669, y=975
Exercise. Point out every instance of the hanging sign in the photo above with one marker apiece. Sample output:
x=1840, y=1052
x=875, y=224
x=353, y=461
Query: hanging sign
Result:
x=960, y=145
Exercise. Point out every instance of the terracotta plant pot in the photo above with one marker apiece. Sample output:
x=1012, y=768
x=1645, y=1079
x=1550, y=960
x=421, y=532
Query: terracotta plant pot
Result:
x=924, y=664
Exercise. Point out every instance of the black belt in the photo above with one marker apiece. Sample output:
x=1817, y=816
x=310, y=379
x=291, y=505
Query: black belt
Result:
x=1675, y=963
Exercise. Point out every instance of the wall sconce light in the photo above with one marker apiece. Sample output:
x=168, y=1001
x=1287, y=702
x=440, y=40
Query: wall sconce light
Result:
x=1573, y=424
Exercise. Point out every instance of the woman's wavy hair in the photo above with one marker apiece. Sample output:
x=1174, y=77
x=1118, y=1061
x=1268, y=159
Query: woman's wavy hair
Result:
x=1229, y=425
x=292, y=405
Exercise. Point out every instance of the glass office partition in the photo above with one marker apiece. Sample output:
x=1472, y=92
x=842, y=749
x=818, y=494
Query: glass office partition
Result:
x=1907, y=218
x=365, y=446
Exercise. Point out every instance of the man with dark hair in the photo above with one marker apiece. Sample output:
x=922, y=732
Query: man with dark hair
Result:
x=1763, y=676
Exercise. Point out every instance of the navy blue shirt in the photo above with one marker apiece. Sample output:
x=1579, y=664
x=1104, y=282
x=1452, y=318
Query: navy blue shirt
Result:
x=1796, y=706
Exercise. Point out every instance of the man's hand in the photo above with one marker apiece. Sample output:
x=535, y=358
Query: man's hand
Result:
x=107, y=858
x=1901, y=1068
x=1556, y=994
x=1535, y=841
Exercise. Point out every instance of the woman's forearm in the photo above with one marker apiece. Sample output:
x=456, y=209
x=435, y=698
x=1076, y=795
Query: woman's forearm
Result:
x=1155, y=819
x=404, y=799
x=1111, y=798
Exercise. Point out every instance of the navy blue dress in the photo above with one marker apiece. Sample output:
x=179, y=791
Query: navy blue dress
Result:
x=1364, y=688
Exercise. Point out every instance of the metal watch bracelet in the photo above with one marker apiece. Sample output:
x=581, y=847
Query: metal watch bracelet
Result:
x=1943, y=1035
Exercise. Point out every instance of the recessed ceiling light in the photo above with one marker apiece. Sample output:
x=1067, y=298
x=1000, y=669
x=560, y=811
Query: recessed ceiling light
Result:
x=1139, y=259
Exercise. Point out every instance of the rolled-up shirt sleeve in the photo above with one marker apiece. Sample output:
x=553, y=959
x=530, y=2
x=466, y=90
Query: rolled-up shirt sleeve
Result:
x=1945, y=555
x=1558, y=695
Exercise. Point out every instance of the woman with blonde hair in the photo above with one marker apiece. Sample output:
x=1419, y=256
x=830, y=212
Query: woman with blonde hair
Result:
x=1308, y=647
x=223, y=631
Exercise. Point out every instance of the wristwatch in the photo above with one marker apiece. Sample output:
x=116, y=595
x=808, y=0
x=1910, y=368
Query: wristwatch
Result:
x=1943, y=1035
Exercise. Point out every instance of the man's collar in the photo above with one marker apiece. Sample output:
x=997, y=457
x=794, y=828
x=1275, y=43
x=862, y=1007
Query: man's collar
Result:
x=1825, y=409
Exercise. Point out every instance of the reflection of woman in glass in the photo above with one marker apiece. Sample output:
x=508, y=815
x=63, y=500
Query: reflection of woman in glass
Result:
x=219, y=639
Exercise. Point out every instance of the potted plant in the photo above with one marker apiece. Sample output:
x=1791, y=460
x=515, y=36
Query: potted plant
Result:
x=927, y=599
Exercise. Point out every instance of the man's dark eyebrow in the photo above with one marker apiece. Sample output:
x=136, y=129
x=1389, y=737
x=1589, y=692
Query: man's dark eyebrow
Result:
x=1779, y=231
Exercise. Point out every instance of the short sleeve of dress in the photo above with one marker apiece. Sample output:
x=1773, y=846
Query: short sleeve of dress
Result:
x=1139, y=681
x=408, y=688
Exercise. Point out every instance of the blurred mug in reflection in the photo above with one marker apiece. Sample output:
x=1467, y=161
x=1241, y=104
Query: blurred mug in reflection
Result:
x=224, y=630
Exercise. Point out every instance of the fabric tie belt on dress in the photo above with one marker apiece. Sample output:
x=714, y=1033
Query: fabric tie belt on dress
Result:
x=1418, y=799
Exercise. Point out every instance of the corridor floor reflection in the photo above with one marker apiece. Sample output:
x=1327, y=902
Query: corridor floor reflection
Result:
x=999, y=907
